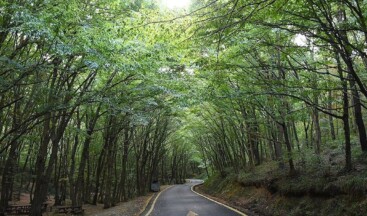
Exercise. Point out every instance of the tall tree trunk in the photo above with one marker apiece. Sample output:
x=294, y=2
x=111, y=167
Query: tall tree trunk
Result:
x=73, y=162
x=306, y=126
x=358, y=117
x=38, y=198
x=348, y=153
x=254, y=128
x=8, y=172
x=316, y=126
x=110, y=137
x=278, y=140
x=289, y=148
x=80, y=183
x=331, y=121
x=345, y=117
x=100, y=166
x=8, y=178
x=316, y=136
x=125, y=155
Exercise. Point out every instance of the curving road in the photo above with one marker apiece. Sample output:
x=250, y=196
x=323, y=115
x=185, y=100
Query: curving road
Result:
x=179, y=200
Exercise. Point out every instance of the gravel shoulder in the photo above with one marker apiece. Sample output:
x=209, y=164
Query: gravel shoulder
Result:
x=129, y=208
x=132, y=207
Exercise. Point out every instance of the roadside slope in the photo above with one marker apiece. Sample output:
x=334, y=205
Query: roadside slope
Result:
x=276, y=193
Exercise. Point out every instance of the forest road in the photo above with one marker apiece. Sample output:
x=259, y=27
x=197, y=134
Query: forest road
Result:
x=179, y=200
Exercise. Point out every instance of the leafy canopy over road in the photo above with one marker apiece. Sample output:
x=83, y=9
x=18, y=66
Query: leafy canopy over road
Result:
x=100, y=98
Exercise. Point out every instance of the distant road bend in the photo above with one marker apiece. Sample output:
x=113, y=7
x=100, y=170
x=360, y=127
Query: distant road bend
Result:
x=179, y=200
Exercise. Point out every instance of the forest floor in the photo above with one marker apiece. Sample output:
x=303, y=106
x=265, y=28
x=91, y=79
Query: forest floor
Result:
x=130, y=208
x=323, y=188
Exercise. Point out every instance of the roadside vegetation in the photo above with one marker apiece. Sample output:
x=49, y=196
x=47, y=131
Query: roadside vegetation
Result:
x=89, y=96
x=268, y=190
x=284, y=115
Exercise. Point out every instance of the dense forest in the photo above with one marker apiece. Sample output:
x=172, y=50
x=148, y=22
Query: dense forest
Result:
x=99, y=98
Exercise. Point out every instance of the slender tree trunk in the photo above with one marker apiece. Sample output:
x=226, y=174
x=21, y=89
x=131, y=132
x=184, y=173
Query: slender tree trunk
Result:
x=41, y=180
x=8, y=172
x=348, y=154
x=289, y=148
x=358, y=117
x=110, y=138
x=306, y=127
x=80, y=183
x=296, y=135
x=345, y=117
x=316, y=126
x=100, y=166
x=255, y=140
x=8, y=178
x=316, y=136
x=124, y=163
x=331, y=121
x=57, y=173
x=72, y=182
x=278, y=140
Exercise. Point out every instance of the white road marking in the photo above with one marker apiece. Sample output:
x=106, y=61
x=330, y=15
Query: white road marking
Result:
x=191, y=213
x=224, y=205
x=155, y=200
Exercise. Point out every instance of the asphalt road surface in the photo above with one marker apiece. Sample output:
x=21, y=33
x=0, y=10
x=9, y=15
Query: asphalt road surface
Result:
x=179, y=200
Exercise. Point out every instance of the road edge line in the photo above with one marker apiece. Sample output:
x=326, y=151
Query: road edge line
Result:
x=145, y=205
x=219, y=203
x=155, y=200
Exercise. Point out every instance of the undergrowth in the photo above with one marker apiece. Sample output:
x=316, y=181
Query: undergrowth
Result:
x=321, y=187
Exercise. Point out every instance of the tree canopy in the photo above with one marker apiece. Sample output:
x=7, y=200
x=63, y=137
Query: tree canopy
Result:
x=100, y=98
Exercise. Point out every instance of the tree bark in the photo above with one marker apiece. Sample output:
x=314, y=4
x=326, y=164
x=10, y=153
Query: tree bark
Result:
x=358, y=117
x=331, y=121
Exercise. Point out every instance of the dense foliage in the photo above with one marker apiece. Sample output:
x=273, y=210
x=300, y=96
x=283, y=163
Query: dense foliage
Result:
x=89, y=97
x=284, y=77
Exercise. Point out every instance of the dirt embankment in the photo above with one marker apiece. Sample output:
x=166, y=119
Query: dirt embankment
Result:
x=276, y=193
